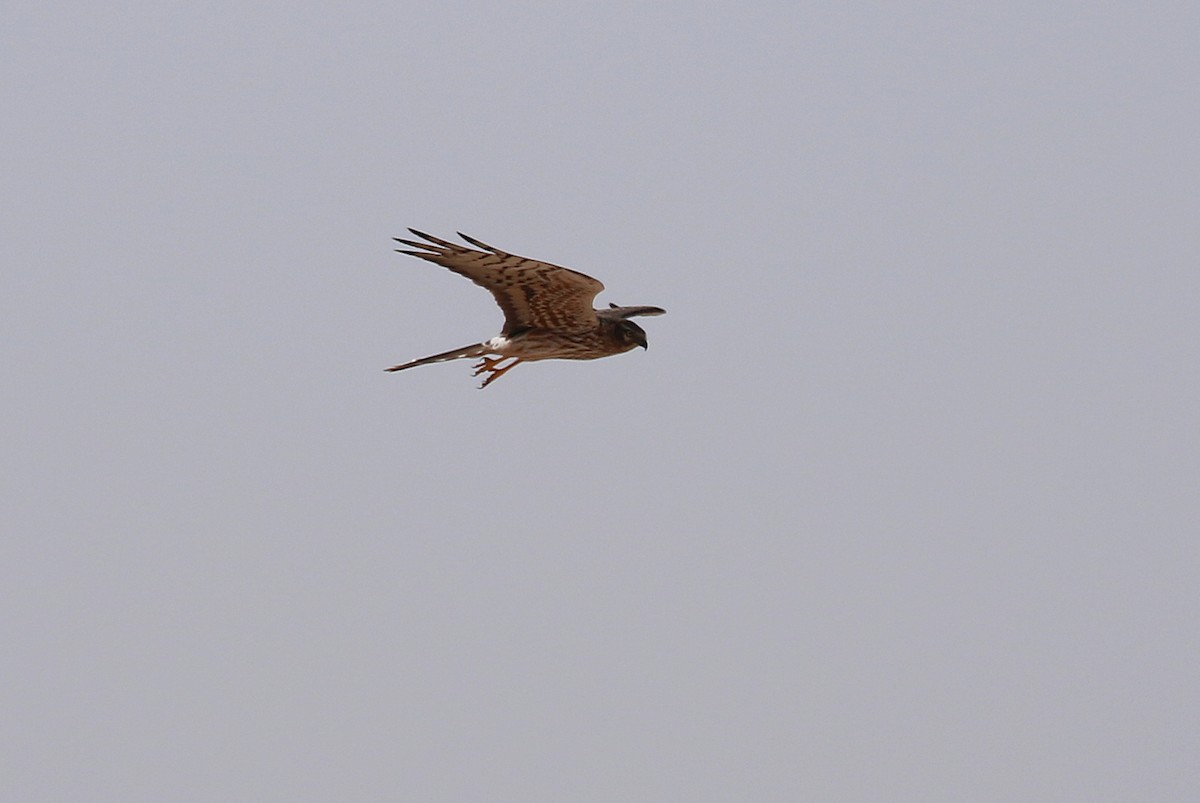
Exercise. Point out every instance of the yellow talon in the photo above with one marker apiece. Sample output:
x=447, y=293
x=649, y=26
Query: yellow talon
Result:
x=490, y=365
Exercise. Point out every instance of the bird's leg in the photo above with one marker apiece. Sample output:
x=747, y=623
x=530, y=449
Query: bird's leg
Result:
x=490, y=365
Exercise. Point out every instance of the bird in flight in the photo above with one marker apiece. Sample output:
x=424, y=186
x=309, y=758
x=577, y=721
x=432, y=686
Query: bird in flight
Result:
x=548, y=312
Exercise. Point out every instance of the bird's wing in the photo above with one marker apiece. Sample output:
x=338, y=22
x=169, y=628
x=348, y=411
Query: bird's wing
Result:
x=614, y=311
x=533, y=294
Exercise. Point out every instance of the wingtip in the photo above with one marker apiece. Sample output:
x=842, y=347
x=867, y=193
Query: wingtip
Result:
x=468, y=238
x=438, y=242
x=632, y=312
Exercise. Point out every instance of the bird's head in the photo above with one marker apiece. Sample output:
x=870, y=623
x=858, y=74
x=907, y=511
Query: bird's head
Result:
x=628, y=333
x=631, y=334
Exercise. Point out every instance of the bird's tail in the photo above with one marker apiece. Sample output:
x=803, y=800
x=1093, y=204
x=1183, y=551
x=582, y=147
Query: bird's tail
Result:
x=476, y=350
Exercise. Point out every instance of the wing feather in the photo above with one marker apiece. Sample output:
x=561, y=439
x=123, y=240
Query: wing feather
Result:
x=532, y=294
x=614, y=311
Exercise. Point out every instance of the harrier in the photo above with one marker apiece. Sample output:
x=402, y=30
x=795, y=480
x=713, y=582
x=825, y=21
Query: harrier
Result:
x=548, y=311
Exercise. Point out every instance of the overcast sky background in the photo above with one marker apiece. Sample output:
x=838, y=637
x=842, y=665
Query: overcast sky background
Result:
x=900, y=504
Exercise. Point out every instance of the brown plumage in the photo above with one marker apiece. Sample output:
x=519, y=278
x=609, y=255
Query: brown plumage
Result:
x=547, y=309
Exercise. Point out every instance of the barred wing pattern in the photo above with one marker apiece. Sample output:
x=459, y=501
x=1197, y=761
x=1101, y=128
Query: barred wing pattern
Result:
x=532, y=294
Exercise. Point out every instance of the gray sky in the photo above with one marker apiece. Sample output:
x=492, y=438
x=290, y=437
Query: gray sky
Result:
x=901, y=503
